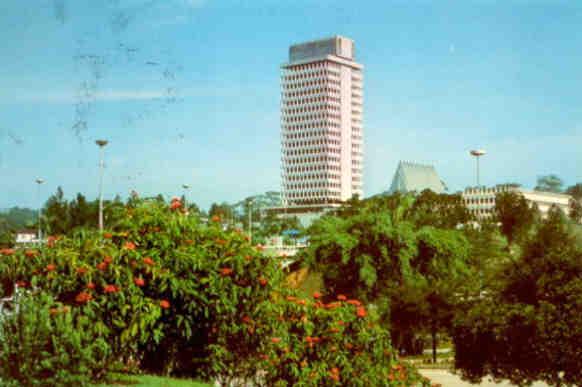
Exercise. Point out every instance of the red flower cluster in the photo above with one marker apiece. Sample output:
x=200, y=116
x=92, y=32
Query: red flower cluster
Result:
x=83, y=298
x=90, y=285
x=110, y=289
x=226, y=271
x=246, y=320
x=164, y=304
x=81, y=270
x=275, y=340
x=216, y=218
x=108, y=259
x=334, y=374
x=102, y=266
x=361, y=312
x=341, y=297
x=316, y=295
x=129, y=245
x=107, y=235
x=22, y=284
x=139, y=282
x=176, y=203
x=31, y=253
x=50, y=267
x=51, y=240
x=354, y=302
x=148, y=261
x=263, y=281
x=7, y=252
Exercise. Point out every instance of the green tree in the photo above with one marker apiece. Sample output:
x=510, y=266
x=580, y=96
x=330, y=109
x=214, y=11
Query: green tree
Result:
x=514, y=214
x=409, y=272
x=56, y=213
x=549, y=183
x=530, y=327
x=439, y=210
x=223, y=211
x=576, y=202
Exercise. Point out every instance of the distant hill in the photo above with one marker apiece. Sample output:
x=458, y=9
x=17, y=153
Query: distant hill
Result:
x=16, y=218
x=265, y=200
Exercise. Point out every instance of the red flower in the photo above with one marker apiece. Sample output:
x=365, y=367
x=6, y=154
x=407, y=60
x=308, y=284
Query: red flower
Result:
x=31, y=253
x=129, y=245
x=263, y=281
x=90, y=285
x=354, y=302
x=149, y=261
x=301, y=302
x=333, y=305
x=291, y=298
x=110, y=289
x=164, y=304
x=334, y=375
x=216, y=218
x=54, y=311
x=176, y=203
x=334, y=330
x=81, y=270
x=108, y=259
x=246, y=320
x=50, y=267
x=22, y=284
x=7, y=252
x=361, y=312
x=50, y=241
x=341, y=297
x=107, y=235
x=102, y=266
x=275, y=340
x=226, y=271
x=316, y=295
x=83, y=298
x=139, y=282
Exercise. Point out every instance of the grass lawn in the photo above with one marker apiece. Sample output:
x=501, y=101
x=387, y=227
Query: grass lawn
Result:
x=152, y=381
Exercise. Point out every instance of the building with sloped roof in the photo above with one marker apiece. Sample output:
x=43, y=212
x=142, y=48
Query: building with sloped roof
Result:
x=413, y=177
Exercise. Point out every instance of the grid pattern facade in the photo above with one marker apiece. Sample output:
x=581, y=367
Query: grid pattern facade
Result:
x=321, y=129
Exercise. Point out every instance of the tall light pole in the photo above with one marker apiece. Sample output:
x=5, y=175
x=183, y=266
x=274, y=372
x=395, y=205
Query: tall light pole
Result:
x=251, y=221
x=101, y=144
x=185, y=187
x=477, y=153
x=39, y=181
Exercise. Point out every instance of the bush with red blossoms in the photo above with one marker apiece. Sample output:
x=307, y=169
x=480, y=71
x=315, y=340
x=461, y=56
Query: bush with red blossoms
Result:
x=189, y=299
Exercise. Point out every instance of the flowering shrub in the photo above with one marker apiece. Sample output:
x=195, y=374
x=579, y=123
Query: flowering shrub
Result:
x=185, y=298
x=311, y=343
x=159, y=285
x=43, y=343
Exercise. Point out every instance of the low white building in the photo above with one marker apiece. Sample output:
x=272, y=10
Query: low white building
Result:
x=26, y=237
x=481, y=200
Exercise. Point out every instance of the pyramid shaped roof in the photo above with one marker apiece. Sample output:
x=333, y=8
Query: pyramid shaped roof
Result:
x=413, y=177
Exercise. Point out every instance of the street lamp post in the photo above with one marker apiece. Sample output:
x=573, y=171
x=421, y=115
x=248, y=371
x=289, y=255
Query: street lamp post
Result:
x=101, y=144
x=477, y=153
x=251, y=221
x=186, y=187
x=39, y=181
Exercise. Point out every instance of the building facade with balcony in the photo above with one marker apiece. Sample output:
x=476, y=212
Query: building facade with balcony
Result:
x=481, y=200
x=321, y=124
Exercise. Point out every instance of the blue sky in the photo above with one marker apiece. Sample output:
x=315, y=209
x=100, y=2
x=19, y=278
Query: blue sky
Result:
x=188, y=91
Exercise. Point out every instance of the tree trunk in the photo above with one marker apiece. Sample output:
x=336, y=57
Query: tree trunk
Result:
x=434, y=343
